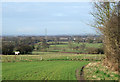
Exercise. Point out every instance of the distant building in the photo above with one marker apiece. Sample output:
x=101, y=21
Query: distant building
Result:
x=63, y=38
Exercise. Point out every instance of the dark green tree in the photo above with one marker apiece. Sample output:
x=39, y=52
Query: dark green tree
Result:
x=25, y=49
x=7, y=48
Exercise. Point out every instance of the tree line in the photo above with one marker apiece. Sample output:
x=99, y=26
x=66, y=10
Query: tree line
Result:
x=25, y=45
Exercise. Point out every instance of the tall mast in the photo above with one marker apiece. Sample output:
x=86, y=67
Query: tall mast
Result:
x=46, y=34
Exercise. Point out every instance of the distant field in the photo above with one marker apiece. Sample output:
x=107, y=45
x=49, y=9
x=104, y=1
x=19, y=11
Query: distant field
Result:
x=97, y=45
x=65, y=46
x=43, y=70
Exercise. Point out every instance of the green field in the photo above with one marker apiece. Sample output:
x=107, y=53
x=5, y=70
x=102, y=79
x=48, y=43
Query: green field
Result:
x=97, y=45
x=43, y=70
x=46, y=56
x=52, y=66
x=68, y=47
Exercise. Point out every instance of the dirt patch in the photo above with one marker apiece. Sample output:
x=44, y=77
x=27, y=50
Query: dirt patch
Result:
x=80, y=75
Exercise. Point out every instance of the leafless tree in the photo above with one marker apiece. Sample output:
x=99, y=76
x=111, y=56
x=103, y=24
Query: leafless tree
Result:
x=106, y=20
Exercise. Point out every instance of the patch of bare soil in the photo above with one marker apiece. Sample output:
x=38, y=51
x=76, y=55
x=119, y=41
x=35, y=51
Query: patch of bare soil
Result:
x=80, y=75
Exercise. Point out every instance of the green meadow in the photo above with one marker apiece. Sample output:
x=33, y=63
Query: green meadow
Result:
x=70, y=47
x=45, y=66
x=43, y=70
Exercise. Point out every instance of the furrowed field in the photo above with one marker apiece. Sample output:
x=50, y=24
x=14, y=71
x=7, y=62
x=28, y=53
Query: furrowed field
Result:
x=44, y=70
x=45, y=66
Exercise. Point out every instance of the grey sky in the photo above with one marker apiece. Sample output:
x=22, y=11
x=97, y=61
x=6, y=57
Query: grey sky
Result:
x=32, y=18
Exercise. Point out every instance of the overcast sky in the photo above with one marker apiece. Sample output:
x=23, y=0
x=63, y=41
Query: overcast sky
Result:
x=32, y=18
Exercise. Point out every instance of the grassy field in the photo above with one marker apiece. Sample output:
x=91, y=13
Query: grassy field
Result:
x=66, y=47
x=49, y=56
x=43, y=70
x=53, y=66
x=97, y=45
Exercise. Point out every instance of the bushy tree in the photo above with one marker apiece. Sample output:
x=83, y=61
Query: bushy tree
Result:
x=7, y=48
x=82, y=46
x=90, y=41
x=25, y=49
x=106, y=20
x=70, y=45
x=93, y=50
x=43, y=46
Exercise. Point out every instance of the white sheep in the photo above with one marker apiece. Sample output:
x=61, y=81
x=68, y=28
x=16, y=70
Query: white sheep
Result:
x=17, y=52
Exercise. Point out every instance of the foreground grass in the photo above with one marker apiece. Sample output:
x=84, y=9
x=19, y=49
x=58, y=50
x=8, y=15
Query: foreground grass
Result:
x=54, y=66
x=43, y=70
x=96, y=71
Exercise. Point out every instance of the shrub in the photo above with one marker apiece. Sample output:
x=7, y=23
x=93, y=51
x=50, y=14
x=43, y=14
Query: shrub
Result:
x=25, y=49
x=7, y=48
x=92, y=50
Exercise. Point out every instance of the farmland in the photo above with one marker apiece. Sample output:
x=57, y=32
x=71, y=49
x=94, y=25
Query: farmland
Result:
x=52, y=66
x=50, y=56
x=54, y=61
x=69, y=47
x=53, y=41
x=59, y=61
x=44, y=70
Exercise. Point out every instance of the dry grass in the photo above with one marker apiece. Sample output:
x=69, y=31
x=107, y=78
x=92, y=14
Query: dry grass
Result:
x=97, y=71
